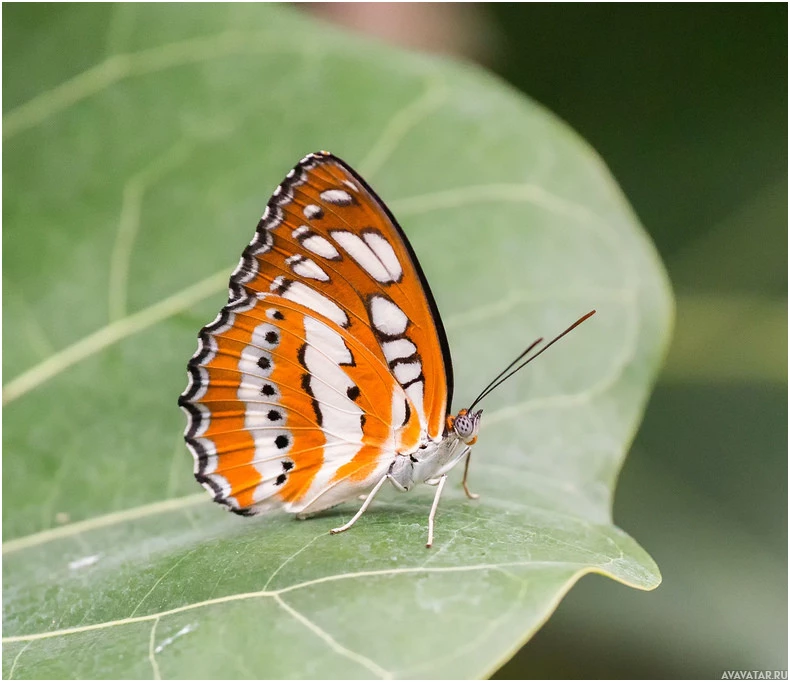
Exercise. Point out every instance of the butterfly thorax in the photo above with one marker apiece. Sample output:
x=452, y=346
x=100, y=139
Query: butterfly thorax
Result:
x=435, y=458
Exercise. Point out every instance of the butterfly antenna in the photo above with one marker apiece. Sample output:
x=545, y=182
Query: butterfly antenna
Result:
x=500, y=379
x=494, y=380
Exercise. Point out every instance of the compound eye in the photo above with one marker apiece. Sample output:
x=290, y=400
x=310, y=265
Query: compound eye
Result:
x=464, y=426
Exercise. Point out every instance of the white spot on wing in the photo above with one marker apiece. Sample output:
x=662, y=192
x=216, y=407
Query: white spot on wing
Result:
x=312, y=211
x=339, y=197
x=407, y=371
x=265, y=336
x=363, y=255
x=387, y=317
x=268, y=462
x=415, y=393
x=398, y=411
x=399, y=348
x=304, y=267
x=249, y=363
x=341, y=417
x=331, y=345
x=309, y=297
x=385, y=253
x=321, y=247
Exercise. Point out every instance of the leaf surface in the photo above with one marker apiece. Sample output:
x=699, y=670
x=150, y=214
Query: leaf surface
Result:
x=137, y=160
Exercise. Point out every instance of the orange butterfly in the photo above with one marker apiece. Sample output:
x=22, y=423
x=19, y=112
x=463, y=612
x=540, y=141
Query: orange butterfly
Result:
x=328, y=372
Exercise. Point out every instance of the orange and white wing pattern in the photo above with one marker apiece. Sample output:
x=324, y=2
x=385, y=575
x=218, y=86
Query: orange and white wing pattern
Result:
x=329, y=358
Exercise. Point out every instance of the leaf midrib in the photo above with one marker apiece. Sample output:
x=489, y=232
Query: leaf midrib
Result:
x=298, y=586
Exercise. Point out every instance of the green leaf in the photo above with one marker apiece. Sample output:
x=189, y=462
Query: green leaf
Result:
x=141, y=144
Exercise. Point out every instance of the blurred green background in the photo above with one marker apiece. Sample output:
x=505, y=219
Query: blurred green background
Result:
x=687, y=104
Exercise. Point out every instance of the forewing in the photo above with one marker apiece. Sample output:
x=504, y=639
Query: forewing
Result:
x=328, y=242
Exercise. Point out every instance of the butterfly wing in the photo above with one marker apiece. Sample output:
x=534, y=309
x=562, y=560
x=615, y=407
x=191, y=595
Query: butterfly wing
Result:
x=329, y=358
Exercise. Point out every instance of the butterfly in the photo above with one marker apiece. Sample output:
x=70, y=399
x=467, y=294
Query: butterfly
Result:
x=328, y=372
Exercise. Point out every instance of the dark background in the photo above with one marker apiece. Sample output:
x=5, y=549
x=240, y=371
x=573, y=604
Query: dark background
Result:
x=687, y=104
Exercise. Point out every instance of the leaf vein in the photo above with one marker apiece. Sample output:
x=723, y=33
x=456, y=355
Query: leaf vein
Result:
x=291, y=588
x=333, y=643
x=129, y=224
x=121, y=66
x=161, y=578
x=402, y=123
x=152, y=651
x=16, y=660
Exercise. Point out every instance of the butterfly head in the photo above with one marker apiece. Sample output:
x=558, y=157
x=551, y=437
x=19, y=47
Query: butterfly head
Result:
x=465, y=425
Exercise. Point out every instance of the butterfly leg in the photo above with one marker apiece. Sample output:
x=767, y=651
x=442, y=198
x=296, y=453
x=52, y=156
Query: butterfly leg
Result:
x=362, y=509
x=471, y=496
x=435, y=504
